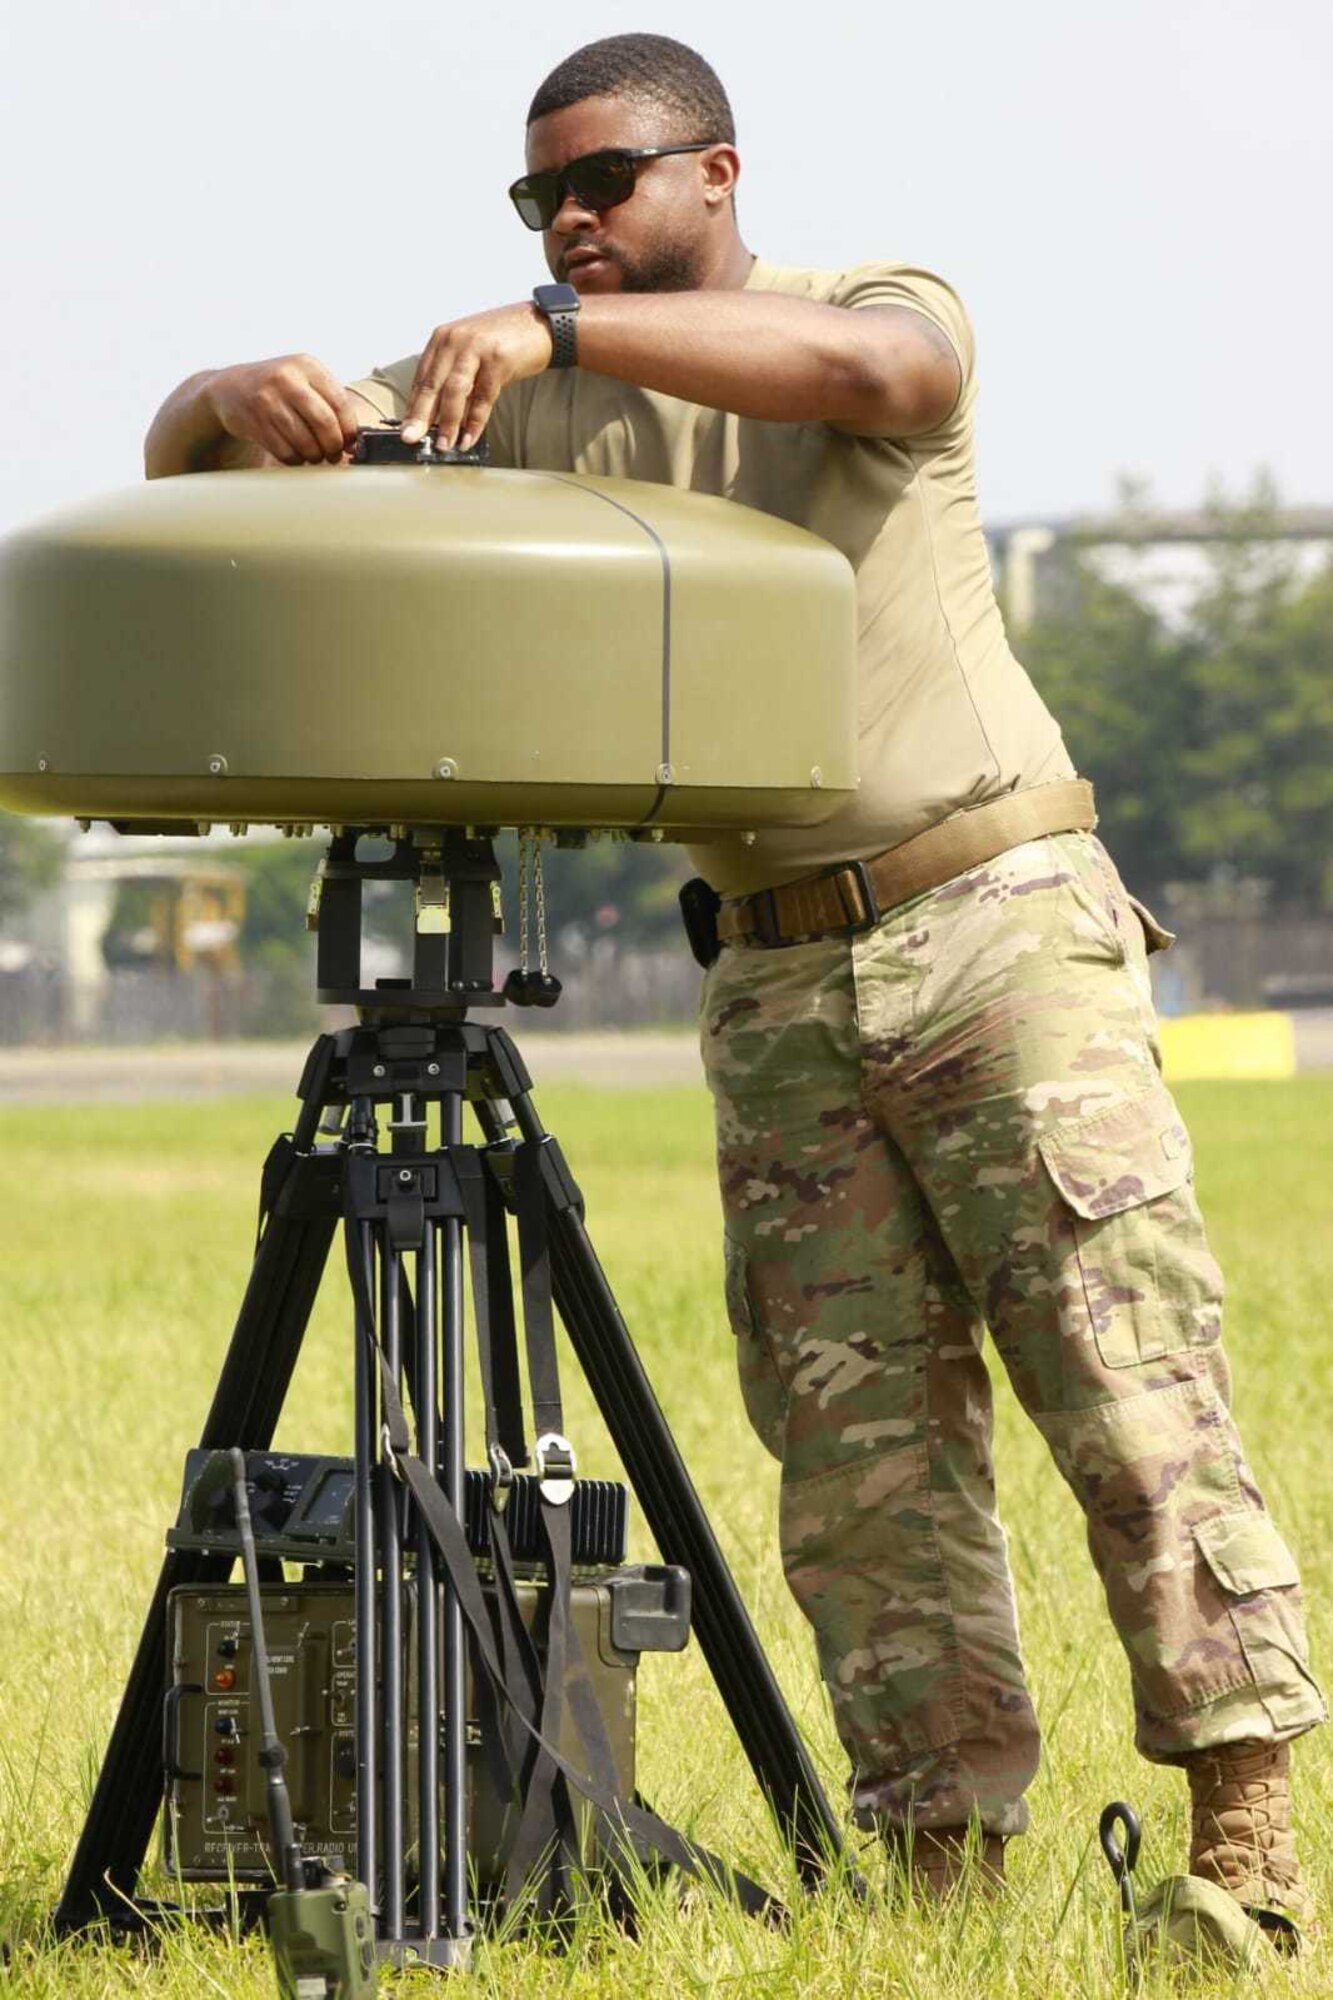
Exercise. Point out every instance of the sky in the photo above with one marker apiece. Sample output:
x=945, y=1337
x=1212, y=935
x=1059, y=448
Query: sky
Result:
x=1132, y=197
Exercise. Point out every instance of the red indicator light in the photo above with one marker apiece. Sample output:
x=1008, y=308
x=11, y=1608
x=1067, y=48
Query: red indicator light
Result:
x=225, y=1677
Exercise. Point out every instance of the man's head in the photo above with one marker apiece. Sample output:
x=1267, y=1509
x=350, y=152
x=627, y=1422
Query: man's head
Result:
x=677, y=228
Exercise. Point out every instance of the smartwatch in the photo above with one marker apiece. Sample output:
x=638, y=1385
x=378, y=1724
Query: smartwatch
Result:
x=559, y=303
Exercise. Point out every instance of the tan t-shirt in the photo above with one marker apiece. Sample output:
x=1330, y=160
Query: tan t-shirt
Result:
x=948, y=717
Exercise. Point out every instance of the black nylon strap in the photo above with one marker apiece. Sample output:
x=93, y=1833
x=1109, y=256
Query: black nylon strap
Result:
x=538, y=1312
x=547, y=1827
x=504, y=1332
x=493, y=1313
x=521, y=1668
x=587, y=1717
x=395, y=1421
x=407, y=1321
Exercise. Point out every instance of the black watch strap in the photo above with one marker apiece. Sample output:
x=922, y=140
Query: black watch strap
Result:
x=560, y=305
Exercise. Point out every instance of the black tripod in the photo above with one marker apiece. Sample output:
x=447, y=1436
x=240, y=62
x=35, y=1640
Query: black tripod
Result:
x=410, y=1216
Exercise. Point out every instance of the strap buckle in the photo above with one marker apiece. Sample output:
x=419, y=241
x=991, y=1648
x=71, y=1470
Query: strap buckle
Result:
x=502, y=1476
x=556, y=1466
x=764, y=909
x=855, y=892
x=870, y=912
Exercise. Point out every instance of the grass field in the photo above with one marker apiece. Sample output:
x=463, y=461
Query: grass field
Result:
x=126, y=1238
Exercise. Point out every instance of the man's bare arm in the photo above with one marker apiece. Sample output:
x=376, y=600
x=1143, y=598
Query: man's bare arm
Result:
x=882, y=370
x=287, y=411
x=876, y=370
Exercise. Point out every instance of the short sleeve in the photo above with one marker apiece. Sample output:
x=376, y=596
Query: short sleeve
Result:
x=916, y=291
x=387, y=390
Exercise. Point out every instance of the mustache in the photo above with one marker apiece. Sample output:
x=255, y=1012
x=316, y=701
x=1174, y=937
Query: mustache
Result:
x=600, y=249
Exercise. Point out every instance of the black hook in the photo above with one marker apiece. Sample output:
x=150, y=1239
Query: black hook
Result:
x=1121, y=1860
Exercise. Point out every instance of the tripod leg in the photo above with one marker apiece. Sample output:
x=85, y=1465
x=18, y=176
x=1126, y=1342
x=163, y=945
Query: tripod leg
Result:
x=452, y=1478
x=246, y=1406
x=390, y=1522
x=676, y=1516
x=366, y=1446
x=426, y=1403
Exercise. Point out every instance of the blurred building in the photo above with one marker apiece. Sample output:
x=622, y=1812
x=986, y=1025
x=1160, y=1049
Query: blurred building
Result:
x=1162, y=556
x=139, y=938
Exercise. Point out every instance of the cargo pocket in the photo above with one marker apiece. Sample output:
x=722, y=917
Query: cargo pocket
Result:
x=1257, y=1576
x=1156, y=937
x=761, y=1388
x=1149, y=1284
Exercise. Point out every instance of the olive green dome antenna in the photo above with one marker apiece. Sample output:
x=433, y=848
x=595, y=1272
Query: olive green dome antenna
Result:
x=425, y=643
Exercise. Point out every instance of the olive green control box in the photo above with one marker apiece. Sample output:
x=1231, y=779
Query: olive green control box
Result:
x=426, y=645
x=215, y=1826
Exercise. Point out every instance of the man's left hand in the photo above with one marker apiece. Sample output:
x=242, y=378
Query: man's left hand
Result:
x=464, y=367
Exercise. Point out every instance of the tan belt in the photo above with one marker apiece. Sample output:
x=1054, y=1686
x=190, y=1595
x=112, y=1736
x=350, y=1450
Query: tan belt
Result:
x=854, y=896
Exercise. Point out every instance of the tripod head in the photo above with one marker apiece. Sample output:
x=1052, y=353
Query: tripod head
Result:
x=456, y=897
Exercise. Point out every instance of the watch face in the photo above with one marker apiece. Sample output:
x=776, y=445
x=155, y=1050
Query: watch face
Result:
x=555, y=298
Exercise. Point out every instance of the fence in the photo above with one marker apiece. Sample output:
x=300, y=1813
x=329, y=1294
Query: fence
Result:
x=1247, y=961
x=1220, y=961
x=41, y=1004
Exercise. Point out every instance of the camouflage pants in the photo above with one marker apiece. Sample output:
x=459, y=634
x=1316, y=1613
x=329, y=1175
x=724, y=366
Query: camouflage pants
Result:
x=957, y=1121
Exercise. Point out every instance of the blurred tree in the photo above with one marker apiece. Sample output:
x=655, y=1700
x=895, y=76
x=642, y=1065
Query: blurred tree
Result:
x=275, y=943
x=31, y=859
x=1118, y=683
x=278, y=878
x=1258, y=779
x=1210, y=739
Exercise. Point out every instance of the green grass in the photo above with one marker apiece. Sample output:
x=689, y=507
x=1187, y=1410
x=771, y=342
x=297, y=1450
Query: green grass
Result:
x=127, y=1235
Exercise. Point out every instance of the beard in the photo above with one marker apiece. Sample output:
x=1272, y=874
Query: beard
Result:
x=669, y=268
x=672, y=268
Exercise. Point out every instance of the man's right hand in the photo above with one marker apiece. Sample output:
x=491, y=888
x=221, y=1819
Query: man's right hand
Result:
x=287, y=411
x=291, y=407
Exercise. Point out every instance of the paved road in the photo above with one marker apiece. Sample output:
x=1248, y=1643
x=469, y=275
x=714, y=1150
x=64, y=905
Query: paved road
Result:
x=221, y=1069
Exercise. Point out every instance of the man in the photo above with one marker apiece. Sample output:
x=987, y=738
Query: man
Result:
x=947, y=1117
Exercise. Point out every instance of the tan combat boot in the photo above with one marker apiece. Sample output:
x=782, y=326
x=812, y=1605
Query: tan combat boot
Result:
x=941, y=1860
x=1241, y=1835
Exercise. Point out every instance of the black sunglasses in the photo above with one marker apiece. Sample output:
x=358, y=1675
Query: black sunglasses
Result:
x=598, y=180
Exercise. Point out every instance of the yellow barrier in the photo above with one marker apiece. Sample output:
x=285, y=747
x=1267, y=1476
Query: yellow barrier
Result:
x=1228, y=1045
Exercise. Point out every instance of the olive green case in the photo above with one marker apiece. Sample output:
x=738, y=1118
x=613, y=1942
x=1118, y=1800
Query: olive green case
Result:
x=215, y=1826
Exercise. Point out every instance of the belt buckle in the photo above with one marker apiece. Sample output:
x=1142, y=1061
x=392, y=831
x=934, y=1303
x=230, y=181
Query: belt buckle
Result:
x=871, y=912
x=764, y=908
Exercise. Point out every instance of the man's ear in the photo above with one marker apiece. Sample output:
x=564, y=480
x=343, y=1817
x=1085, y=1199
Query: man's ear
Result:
x=721, y=169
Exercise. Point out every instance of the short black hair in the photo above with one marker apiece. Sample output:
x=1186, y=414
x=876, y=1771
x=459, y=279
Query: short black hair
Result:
x=652, y=68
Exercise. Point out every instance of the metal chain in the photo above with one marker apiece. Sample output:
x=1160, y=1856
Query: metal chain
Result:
x=531, y=881
x=543, y=964
x=524, y=844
